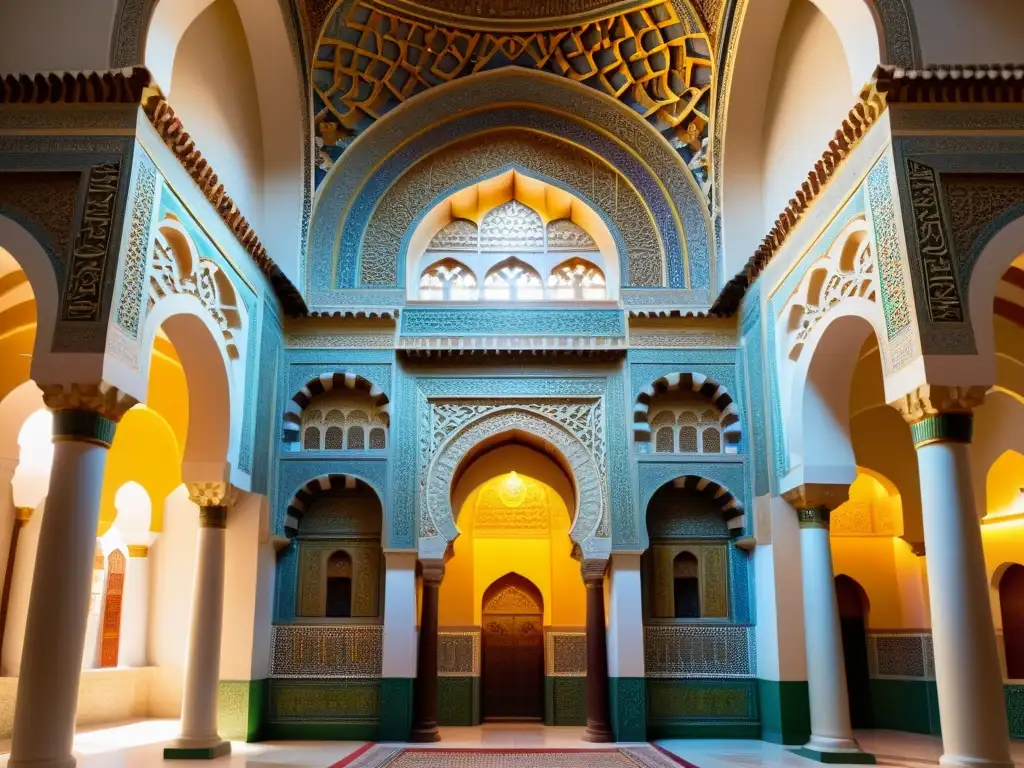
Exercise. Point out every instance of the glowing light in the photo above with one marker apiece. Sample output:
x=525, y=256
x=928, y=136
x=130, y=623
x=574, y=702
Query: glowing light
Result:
x=512, y=490
x=35, y=457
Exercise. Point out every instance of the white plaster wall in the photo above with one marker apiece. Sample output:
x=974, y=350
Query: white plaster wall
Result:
x=104, y=696
x=46, y=35
x=970, y=31
x=809, y=95
x=238, y=652
x=214, y=93
x=781, y=653
x=172, y=571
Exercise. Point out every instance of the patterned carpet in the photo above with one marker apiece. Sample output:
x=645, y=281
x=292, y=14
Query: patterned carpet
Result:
x=389, y=756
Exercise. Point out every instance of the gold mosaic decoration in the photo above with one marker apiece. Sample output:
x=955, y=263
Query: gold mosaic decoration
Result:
x=650, y=59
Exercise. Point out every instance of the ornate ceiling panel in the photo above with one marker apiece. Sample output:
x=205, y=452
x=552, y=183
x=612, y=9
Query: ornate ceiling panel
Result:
x=656, y=60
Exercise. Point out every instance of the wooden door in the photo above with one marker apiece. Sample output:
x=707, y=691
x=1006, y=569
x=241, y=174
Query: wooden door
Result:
x=513, y=651
x=853, y=625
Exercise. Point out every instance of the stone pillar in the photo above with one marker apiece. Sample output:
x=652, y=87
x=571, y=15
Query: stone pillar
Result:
x=132, y=646
x=424, y=727
x=398, y=673
x=598, y=720
x=627, y=688
x=972, y=709
x=199, y=739
x=21, y=517
x=84, y=421
x=831, y=734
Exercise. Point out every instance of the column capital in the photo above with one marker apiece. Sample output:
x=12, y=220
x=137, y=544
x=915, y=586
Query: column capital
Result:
x=826, y=496
x=938, y=413
x=100, y=397
x=432, y=571
x=213, y=494
x=593, y=571
x=138, y=550
x=23, y=514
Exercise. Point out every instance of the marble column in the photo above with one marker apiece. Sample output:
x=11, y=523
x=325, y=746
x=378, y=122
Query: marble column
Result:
x=972, y=708
x=199, y=739
x=598, y=718
x=831, y=733
x=424, y=726
x=84, y=422
x=398, y=669
x=131, y=649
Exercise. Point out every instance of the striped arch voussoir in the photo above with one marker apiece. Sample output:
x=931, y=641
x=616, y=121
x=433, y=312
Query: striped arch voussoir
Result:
x=325, y=382
x=306, y=494
x=730, y=507
x=706, y=387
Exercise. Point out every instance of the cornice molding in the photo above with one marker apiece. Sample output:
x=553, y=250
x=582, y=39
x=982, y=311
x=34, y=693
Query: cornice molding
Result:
x=952, y=84
x=171, y=130
x=937, y=84
x=133, y=85
x=864, y=114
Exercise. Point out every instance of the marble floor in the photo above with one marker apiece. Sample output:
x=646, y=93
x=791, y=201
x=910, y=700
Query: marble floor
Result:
x=139, y=745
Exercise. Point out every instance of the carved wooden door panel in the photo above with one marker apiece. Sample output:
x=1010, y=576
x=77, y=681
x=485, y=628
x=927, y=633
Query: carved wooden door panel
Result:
x=112, y=609
x=513, y=667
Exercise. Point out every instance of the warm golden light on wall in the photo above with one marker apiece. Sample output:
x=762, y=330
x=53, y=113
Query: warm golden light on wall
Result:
x=512, y=490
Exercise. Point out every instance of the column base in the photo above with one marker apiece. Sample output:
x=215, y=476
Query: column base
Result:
x=424, y=735
x=598, y=734
x=197, y=749
x=843, y=757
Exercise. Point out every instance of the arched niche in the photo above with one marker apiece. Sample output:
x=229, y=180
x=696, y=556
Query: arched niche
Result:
x=590, y=531
x=539, y=102
x=336, y=522
x=337, y=411
x=685, y=571
x=543, y=225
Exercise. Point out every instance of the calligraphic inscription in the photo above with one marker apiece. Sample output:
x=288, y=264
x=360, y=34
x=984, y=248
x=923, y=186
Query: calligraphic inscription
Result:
x=939, y=272
x=89, y=255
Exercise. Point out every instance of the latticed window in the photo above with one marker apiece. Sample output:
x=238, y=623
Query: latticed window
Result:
x=664, y=440
x=311, y=439
x=448, y=280
x=378, y=439
x=356, y=438
x=334, y=438
x=576, y=279
x=687, y=439
x=513, y=280
x=711, y=440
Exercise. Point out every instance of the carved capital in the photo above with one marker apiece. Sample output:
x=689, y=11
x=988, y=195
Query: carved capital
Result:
x=138, y=550
x=102, y=398
x=432, y=572
x=210, y=494
x=23, y=514
x=931, y=400
x=814, y=517
x=940, y=414
x=593, y=571
x=817, y=496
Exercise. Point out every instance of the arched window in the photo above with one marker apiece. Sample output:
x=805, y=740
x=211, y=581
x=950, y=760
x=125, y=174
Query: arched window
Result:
x=339, y=586
x=311, y=439
x=711, y=440
x=1011, y=608
x=448, y=280
x=665, y=440
x=576, y=279
x=333, y=440
x=378, y=439
x=356, y=438
x=686, y=581
x=513, y=280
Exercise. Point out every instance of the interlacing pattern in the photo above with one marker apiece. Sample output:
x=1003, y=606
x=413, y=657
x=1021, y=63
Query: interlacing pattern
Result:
x=371, y=58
